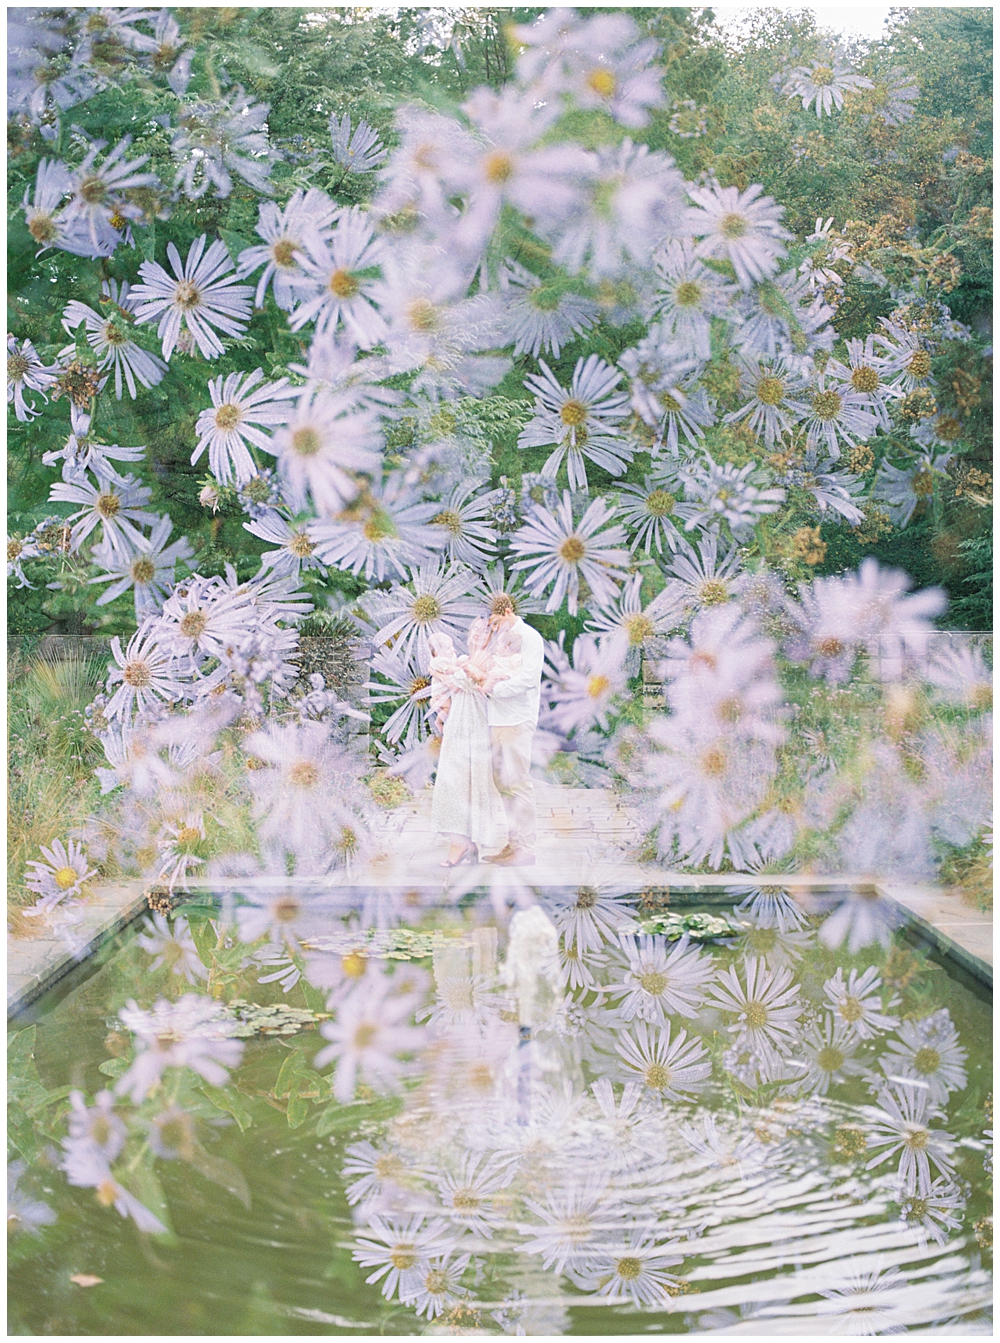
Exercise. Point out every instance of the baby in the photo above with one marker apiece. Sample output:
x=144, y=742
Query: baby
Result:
x=445, y=665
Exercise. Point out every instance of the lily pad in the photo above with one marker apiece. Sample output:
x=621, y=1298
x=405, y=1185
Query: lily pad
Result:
x=699, y=927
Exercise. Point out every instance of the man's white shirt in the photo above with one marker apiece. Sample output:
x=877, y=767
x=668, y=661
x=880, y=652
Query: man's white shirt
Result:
x=515, y=700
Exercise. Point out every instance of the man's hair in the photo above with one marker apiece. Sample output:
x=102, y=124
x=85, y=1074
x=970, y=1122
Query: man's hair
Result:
x=501, y=605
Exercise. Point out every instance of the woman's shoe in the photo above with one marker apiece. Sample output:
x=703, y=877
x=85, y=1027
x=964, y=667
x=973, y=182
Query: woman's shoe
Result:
x=470, y=852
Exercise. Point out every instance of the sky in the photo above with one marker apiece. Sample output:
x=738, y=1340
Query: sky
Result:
x=855, y=20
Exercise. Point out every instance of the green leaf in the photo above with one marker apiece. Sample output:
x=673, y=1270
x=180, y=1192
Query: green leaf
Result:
x=205, y=939
x=113, y=1067
x=221, y=1172
x=230, y=1103
x=330, y=1119
x=21, y=1134
x=146, y=241
x=144, y=1183
x=298, y=1111
x=293, y=1065
x=21, y=1049
x=235, y=242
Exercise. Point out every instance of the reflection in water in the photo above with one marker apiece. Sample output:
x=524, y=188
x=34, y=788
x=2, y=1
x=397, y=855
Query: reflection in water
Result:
x=738, y=1128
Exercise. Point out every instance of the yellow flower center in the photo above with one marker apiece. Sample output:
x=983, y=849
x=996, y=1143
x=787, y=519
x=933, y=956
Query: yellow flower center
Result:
x=403, y=1257
x=354, y=964
x=343, y=284
x=137, y=674
x=756, y=1016
x=827, y=405
x=927, y=1060
x=572, y=550
x=598, y=686
x=919, y=364
x=653, y=983
x=712, y=592
x=228, y=416
x=687, y=294
x=822, y=76
x=771, y=391
x=498, y=167
x=108, y=505
x=713, y=762
x=573, y=414
x=422, y=315
x=187, y=295
x=93, y=190
x=639, y=628
x=425, y=609
x=304, y=774
x=65, y=877
x=629, y=1269
x=657, y=1076
x=660, y=504
x=602, y=82
x=734, y=226
x=830, y=1059
x=450, y=519
x=283, y=253
x=306, y=442
x=194, y=624
x=865, y=379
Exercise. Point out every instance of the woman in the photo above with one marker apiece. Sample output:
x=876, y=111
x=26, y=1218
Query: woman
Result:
x=466, y=805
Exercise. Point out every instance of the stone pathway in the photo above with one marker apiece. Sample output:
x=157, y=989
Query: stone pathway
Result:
x=583, y=834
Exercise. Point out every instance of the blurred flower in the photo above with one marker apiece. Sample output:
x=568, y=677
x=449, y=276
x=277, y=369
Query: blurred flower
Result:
x=858, y=1003
x=369, y=1036
x=737, y=227
x=400, y=1249
x=324, y=443
x=900, y=1124
x=283, y=231
x=582, y=422
x=544, y=316
x=927, y=1055
x=825, y=83
x=334, y=286
x=173, y=947
x=25, y=369
x=358, y=152
x=24, y=1213
x=215, y=139
x=148, y=567
x=669, y=1070
x=661, y=982
x=193, y=1032
x=905, y=489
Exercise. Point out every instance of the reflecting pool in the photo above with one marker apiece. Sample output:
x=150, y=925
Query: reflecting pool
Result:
x=294, y=1111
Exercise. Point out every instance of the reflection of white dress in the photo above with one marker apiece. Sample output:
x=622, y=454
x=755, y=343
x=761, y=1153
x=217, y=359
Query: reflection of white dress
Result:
x=466, y=801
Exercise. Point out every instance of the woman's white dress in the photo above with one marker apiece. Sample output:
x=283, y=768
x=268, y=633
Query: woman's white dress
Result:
x=466, y=800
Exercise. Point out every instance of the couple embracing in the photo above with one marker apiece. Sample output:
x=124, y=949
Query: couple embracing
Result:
x=486, y=702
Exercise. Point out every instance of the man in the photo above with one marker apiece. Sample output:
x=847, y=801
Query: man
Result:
x=512, y=713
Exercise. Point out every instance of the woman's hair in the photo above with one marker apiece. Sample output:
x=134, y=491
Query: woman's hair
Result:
x=501, y=605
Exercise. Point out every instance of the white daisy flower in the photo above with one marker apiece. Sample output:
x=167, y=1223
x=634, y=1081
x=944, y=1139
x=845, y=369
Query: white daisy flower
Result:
x=776, y=394
x=369, y=1037
x=400, y=680
x=727, y=493
x=437, y=1286
x=770, y=906
x=689, y=295
x=46, y=224
x=97, y=1126
x=589, y=915
x=907, y=488
x=462, y=520
x=863, y=917
x=633, y=197
x=705, y=578
x=400, y=1250
x=148, y=567
x=669, y=1070
x=111, y=503
x=326, y=440
x=767, y=1007
x=360, y=151
x=297, y=545
x=384, y=1171
x=632, y=1270
x=555, y=552
x=172, y=947
x=544, y=316
x=283, y=231
x=26, y=370
x=933, y=1213
x=201, y=618
x=823, y=83
x=213, y=140
x=178, y=850
x=59, y=877
x=582, y=421
x=437, y=601
x=829, y=1050
x=598, y=62
x=661, y=980
x=89, y=1169
x=893, y=96
x=577, y=1222
x=108, y=336
x=196, y=297
x=927, y=1054
x=837, y=415
x=239, y=405
x=468, y=1193
x=333, y=287
x=20, y=549
x=581, y=694
x=147, y=673
x=193, y=1032
x=961, y=676
x=624, y=1135
x=869, y=374
x=901, y=1125
x=908, y=356
x=631, y=625
x=737, y=227
x=96, y=201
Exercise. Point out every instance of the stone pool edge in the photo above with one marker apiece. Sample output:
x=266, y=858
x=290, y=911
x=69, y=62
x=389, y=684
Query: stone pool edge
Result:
x=965, y=935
